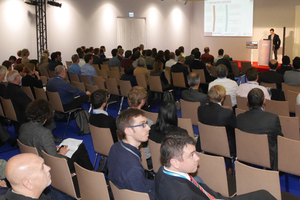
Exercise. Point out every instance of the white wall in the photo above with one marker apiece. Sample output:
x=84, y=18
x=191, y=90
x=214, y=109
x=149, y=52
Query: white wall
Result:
x=267, y=14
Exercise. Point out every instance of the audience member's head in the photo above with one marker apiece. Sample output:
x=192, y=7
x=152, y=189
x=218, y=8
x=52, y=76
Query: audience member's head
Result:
x=167, y=55
x=222, y=71
x=44, y=58
x=39, y=111
x=29, y=68
x=154, y=53
x=98, y=99
x=226, y=56
x=181, y=59
x=273, y=64
x=157, y=66
x=131, y=124
x=221, y=52
x=141, y=62
x=81, y=54
x=103, y=48
x=119, y=47
x=19, y=67
x=88, y=58
x=25, y=52
x=136, y=55
x=217, y=94
x=256, y=98
x=75, y=58
x=172, y=55
x=35, y=62
x=60, y=70
x=141, y=47
x=206, y=50
x=46, y=51
x=128, y=53
x=12, y=59
x=54, y=56
x=193, y=79
x=286, y=60
x=28, y=174
x=97, y=51
x=19, y=53
x=160, y=55
x=178, y=153
x=14, y=77
x=137, y=97
x=252, y=74
x=197, y=54
x=167, y=116
x=177, y=52
x=120, y=51
x=296, y=63
x=114, y=52
x=3, y=71
x=149, y=53
x=59, y=55
x=181, y=48
x=7, y=64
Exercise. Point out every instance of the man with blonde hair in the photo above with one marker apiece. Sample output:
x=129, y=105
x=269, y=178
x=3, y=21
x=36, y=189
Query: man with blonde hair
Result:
x=25, y=54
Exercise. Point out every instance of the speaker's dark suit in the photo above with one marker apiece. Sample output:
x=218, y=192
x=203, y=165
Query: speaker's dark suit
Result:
x=260, y=122
x=215, y=115
x=276, y=43
x=270, y=77
x=195, y=96
x=197, y=64
x=178, y=67
x=169, y=187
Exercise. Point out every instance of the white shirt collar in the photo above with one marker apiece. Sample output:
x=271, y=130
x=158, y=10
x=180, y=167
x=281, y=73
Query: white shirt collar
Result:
x=99, y=111
x=180, y=173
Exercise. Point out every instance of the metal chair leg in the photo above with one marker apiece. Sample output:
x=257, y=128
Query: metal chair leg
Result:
x=95, y=160
x=121, y=104
x=67, y=123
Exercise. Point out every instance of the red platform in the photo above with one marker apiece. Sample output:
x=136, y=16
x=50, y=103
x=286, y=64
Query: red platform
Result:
x=260, y=68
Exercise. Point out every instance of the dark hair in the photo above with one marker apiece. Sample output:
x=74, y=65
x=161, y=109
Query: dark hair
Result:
x=167, y=54
x=126, y=119
x=29, y=67
x=136, y=55
x=34, y=61
x=78, y=50
x=19, y=67
x=80, y=54
x=177, y=52
x=296, y=63
x=197, y=54
x=12, y=58
x=222, y=70
x=96, y=51
x=157, y=66
x=74, y=58
x=160, y=55
x=221, y=52
x=256, y=98
x=39, y=111
x=273, y=64
x=58, y=53
x=286, y=60
x=154, y=52
x=114, y=52
x=172, y=146
x=98, y=98
x=53, y=56
x=167, y=116
x=128, y=53
x=87, y=58
x=181, y=48
x=6, y=64
x=251, y=74
x=119, y=47
x=149, y=52
x=272, y=29
x=129, y=69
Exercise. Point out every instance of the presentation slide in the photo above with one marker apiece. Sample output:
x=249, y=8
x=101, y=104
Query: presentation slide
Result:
x=228, y=18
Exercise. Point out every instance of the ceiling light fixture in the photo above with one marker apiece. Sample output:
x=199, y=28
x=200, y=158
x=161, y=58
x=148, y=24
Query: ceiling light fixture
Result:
x=31, y=2
x=53, y=3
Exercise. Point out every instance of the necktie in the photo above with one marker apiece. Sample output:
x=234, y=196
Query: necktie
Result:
x=206, y=193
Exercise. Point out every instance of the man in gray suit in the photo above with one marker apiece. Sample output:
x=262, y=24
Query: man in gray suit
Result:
x=293, y=77
x=193, y=94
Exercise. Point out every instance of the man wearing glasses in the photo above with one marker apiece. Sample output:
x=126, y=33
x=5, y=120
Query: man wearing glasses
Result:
x=124, y=159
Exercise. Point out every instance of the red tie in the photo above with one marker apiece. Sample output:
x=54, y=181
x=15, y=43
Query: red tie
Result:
x=199, y=186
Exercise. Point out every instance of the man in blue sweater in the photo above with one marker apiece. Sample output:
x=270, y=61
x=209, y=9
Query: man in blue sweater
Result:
x=124, y=159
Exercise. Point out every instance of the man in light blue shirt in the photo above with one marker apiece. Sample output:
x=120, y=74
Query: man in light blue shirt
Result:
x=75, y=68
x=114, y=61
x=87, y=69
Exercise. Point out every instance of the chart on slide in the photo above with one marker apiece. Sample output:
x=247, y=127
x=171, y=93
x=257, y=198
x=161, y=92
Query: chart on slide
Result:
x=228, y=18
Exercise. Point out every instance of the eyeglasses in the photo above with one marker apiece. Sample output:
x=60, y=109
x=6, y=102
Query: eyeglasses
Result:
x=143, y=125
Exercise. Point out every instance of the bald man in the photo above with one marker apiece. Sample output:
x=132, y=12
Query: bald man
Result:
x=28, y=176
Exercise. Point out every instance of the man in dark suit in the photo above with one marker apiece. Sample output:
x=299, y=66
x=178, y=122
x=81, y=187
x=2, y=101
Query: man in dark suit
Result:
x=197, y=64
x=225, y=61
x=179, y=67
x=97, y=60
x=173, y=182
x=257, y=121
x=193, y=94
x=271, y=76
x=215, y=115
x=292, y=77
x=275, y=41
x=285, y=66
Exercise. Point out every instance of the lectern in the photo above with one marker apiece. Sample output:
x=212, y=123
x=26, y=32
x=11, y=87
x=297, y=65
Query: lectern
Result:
x=264, y=52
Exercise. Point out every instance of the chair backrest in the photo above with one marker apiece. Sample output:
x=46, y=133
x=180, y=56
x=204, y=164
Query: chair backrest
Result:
x=85, y=79
x=102, y=139
x=250, y=179
x=9, y=109
x=51, y=74
x=55, y=101
x=92, y=185
x=269, y=85
x=44, y=72
x=277, y=107
x=245, y=66
x=286, y=87
x=290, y=127
x=124, y=194
x=155, y=84
x=114, y=74
x=68, y=63
x=114, y=68
x=245, y=142
x=99, y=81
x=143, y=158
x=213, y=168
x=96, y=66
x=288, y=155
x=235, y=68
x=155, y=155
x=190, y=110
x=168, y=74
x=78, y=85
x=112, y=86
x=125, y=87
x=40, y=93
x=297, y=112
x=242, y=103
x=213, y=71
x=201, y=73
x=60, y=174
x=214, y=139
x=44, y=79
x=74, y=77
x=186, y=124
x=151, y=115
x=141, y=80
x=227, y=101
x=1, y=111
x=102, y=73
x=105, y=67
x=28, y=91
x=26, y=149
x=91, y=88
x=178, y=79
x=291, y=97
x=239, y=111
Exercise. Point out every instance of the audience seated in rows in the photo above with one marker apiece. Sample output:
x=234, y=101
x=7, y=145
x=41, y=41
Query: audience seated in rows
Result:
x=230, y=85
x=179, y=67
x=3, y=72
x=173, y=180
x=257, y=121
x=189, y=59
x=193, y=94
x=124, y=160
x=74, y=68
x=252, y=77
x=292, y=77
x=271, y=76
